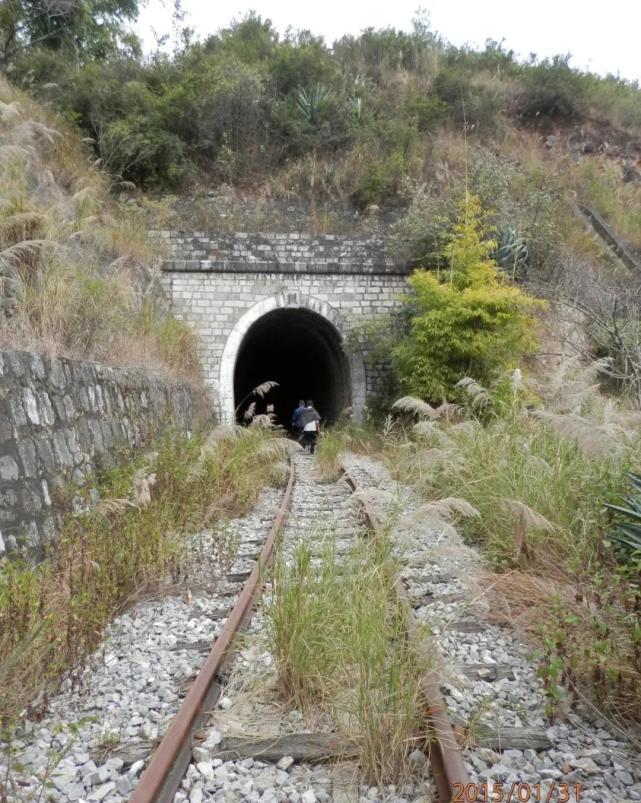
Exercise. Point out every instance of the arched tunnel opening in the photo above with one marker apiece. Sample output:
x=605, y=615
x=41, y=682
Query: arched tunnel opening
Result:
x=301, y=351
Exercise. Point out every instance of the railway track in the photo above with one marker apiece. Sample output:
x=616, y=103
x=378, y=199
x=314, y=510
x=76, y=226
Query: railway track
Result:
x=307, y=506
x=485, y=715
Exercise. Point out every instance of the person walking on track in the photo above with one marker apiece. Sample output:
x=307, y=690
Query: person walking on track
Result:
x=310, y=419
x=297, y=426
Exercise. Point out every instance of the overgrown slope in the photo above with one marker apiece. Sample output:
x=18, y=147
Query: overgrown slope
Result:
x=374, y=120
x=77, y=274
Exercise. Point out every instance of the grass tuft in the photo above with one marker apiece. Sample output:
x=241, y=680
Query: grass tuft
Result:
x=339, y=638
x=331, y=445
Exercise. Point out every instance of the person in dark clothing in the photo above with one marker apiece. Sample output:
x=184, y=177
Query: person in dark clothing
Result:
x=310, y=420
x=297, y=427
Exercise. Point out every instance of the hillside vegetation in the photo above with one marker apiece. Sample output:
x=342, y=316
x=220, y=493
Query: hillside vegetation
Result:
x=372, y=119
x=77, y=275
x=387, y=124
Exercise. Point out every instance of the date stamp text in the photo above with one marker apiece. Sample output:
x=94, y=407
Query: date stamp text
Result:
x=515, y=792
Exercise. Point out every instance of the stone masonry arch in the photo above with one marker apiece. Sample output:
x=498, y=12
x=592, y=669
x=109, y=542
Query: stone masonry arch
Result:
x=292, y=300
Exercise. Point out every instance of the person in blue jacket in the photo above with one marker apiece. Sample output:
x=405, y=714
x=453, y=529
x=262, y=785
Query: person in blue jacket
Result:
x=297, y=422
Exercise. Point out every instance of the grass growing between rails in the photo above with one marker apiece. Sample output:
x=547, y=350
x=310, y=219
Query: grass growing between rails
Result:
x=331, y=444
x=342, y=437
x=537, y=479
x=339, y=639
x=53, y=615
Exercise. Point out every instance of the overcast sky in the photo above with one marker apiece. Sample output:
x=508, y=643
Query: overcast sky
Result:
x=603, y=37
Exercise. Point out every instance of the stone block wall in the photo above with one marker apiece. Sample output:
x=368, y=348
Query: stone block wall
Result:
x=226, y=211
x=214, y=304
x=59, y=421
x=287, y=252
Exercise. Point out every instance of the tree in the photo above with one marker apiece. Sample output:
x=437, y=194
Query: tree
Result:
x=468, y=319
x=90, y=28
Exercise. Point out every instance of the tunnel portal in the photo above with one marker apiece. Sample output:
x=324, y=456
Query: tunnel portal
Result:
x=300, y=350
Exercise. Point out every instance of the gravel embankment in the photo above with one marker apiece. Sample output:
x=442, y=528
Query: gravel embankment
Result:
x=440, y=577
x=133, y=686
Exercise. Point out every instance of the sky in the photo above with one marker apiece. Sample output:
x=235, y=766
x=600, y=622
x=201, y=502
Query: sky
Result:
x=601, y=37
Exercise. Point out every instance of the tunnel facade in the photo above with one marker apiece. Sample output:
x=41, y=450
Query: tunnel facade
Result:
x=285, y=308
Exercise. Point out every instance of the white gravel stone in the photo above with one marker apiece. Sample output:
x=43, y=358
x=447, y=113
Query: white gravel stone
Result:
x=417, y=758
x=200, y=754
x=285, y=763
x=101, y=792
x=213, y=738
x=206, y=769
x=196, y=795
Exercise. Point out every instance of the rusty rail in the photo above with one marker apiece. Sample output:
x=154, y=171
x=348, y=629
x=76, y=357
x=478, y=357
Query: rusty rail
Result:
x=163, y=775
x=169, y=762
x=445, y=756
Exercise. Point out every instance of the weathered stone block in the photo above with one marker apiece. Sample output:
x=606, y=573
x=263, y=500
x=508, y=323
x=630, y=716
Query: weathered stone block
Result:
x=8, y=468
x=61, y=449
x=28, y=457
x=57, y=378
x=6, y=430
x=16, y=411
x=47, y=413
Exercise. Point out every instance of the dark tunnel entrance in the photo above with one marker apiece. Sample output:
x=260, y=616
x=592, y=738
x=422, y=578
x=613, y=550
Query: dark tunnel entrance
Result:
x=301, y=351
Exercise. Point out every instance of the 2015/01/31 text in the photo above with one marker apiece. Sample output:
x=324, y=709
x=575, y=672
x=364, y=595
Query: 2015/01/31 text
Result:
x=557, y=792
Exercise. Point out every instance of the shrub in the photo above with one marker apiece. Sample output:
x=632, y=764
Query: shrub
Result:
x=469, y=98
x=429, y=111
x=553, y=88
x=467, y=319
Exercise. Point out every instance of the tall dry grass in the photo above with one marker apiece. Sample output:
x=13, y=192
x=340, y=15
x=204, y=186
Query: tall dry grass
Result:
x=78, y=276
x=331, y=445
x=53, y=615
x=536, y=473
x=339, y=638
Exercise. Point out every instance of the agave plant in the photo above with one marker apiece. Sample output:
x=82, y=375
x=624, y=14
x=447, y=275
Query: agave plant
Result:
x=512, y=252
x=628, y=519
x=311, y=100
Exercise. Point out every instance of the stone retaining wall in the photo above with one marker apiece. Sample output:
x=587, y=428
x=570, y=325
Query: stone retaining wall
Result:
x=229, y=212
x=59, y=421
